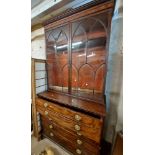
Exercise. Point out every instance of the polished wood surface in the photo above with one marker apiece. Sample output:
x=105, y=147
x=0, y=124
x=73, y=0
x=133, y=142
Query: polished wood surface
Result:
x=67, y=143
x=88, y=126
x=77, y=141
x=72, y=102
x=47, y=121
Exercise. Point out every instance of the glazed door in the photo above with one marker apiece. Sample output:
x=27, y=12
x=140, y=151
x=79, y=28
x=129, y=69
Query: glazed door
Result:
x=89, y=38
x=76, y=56
x=57, y=58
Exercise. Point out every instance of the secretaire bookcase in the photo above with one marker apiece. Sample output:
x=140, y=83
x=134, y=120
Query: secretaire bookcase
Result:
x=72, y=110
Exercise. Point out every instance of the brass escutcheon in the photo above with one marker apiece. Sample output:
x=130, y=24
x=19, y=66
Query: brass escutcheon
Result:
x=78, y=151
x=79, y=141
x=51, y=126
x=77, y=127
x=77, y=117
x=45, y=105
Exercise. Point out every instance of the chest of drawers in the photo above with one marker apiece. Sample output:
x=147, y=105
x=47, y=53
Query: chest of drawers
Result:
x=80, y=132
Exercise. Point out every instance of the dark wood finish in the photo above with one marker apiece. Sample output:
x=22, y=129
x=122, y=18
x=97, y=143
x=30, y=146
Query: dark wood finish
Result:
x=68, y=144
x=76, y=53
x=72, y=102
x=118, y=146
x=89, y=126
x=71, y=136
x=73, y=108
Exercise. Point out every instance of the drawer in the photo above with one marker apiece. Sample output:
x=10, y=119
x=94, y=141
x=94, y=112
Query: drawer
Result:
x=86, y=125
x=77, y=141
x=66, y=143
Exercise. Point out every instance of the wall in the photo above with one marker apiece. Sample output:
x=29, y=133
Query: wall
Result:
x=38, y=52
x=38, y=44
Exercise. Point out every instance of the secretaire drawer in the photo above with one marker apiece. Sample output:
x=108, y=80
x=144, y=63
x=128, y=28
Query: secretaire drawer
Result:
x=73, y=115
x=81, y=123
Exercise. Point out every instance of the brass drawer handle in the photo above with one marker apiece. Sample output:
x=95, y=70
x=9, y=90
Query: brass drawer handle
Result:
x=46, y=112
x=77, y=127
x=45, y=105
x=78, y=151
x=79, y=141
x=51, y=134
x=77, y=117
x=51, y=126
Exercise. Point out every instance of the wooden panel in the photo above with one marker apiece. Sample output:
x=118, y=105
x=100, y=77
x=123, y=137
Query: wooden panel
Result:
x=89, y=126
x=66, y=143
x=70, y=114
x=87, y=106
x=33, y=96
x=86, y=143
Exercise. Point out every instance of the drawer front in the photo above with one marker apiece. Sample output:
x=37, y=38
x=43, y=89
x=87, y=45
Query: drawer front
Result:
x=77, y=141
x=76, y=121
x=66, y=143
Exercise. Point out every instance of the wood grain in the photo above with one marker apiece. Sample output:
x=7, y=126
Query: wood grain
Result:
x=89, y=126
x=34, y=112
x=72, y=102
x=71, y=136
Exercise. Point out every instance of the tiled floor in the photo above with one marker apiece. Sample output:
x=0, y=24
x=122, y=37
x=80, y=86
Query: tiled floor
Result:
x=37, y=147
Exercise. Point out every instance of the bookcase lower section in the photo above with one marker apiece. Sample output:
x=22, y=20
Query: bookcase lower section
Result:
x=77, y=132
x=68, y=140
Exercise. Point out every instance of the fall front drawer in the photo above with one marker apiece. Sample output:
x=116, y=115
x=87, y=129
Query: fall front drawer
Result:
x=83, y=124
x=78, y=142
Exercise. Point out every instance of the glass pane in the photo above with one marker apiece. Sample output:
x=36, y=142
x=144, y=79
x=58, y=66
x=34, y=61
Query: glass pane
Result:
x=89, y=55
x=86, y=80
x=99, y=81
x=74, y=79
x=65, y=78
x=79, y=39
x=57, y=58
x=96, y=45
